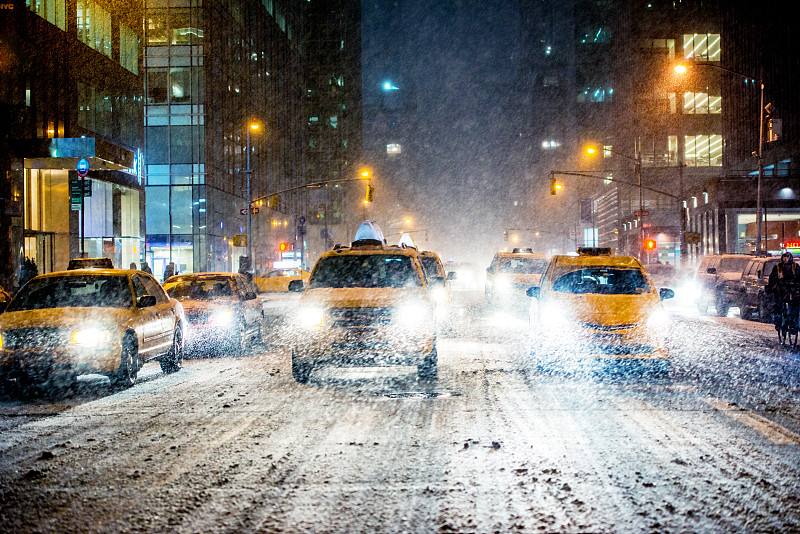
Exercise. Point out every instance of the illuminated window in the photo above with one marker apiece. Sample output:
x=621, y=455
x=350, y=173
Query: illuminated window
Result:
x=701, y=46
x=550, y=144
x=394, y=149
x=703, y=150
x=53, y=11
x=128, y=49
x=701, y=104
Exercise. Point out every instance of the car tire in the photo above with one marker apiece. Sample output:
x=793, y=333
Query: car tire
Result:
x=239, y=339
x=722, y=305
x=125, y=376
x=429, y=368
x=764, y=313
x=301, y=371
x=173, y=361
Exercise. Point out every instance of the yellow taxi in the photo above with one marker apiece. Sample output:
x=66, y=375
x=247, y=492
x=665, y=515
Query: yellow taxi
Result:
x=107, y=321
x=510, y=275
x=277, y=280
x=366, y=304
x=598, y=306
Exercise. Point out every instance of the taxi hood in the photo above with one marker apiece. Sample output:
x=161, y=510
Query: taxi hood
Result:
x=609, y=310
x=353, y=297
x=110, y=318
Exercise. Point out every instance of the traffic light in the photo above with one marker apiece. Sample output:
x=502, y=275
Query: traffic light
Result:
x=283, y=246
x=650, y=244
x=370, y=193
x=554, y=186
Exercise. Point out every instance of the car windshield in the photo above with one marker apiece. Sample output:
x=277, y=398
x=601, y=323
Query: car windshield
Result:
x=733, y=265
x=431, y=266
x=522, y=265
x=368, y=270
x=205, y=288
x=604, y=281
x=85, y=291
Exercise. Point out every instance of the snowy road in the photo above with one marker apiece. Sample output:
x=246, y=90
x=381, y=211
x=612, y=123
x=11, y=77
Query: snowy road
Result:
x=235, y=445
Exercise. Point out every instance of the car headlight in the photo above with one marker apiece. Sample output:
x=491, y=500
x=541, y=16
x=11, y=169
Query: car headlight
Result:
x=502, y=285
x=659, y=320
x=311, y=317
x=552, y=317
x=413, y=314
x=221, y=317
x=90, y=337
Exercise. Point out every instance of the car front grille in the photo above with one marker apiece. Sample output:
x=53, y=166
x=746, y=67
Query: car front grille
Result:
x=30, y=338
x=348, y=317
x=609, y=328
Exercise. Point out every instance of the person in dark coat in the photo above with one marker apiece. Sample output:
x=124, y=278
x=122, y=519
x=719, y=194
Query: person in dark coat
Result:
x=784, y=285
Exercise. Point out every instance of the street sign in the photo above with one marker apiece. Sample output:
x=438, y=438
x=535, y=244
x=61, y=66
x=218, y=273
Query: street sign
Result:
x=79, y=188
x=240, y=240
x=243, y=211
x=83, y=167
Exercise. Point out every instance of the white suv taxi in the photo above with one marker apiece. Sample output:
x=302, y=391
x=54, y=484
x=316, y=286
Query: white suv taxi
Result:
x=366, y=304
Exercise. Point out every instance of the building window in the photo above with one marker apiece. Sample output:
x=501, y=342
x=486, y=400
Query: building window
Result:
x=94, y=26
x=393, y=149
x=701, y=104
x=128, y=49
x=550, y=144
x=703, y=150
x=660, y=151
x=659, y=46
x=701, y=46
x=53, y=11
x=593, y=94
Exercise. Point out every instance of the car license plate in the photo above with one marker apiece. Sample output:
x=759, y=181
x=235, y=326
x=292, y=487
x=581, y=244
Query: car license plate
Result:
x=608, y=339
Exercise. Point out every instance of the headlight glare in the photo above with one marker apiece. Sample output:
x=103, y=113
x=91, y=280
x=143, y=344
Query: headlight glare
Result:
x=413, y=314
x=90, y=337
x=221, y=317
x=311, y=317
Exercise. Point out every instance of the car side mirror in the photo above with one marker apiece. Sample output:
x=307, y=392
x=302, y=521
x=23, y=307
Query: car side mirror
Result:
x=250, y=295
x=533, y=292
x=436, y=281
x=145, y=301
x=452, y=275
x=711, y=270
x=666, y=293
x=296, y=286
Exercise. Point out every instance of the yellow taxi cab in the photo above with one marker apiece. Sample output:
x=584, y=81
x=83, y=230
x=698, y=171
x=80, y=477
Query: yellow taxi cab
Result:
x=510, y=275
x=366, y=304
x=598, y=306
x=106, y=321
x=277, y=280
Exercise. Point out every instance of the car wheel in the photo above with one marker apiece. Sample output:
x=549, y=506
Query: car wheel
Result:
x=301, y=371
x=722, y=305
x=239, y=339
x=173, y=361
x=764, y=312
x=429, y=368
x=125, y=376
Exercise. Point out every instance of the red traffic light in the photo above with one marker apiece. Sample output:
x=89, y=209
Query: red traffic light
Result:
x=283, y=247
x=650, y=244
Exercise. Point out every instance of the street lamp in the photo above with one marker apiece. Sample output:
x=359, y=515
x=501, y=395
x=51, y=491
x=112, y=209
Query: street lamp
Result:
x=682, y=69
x=254, y=126
x=637, y=168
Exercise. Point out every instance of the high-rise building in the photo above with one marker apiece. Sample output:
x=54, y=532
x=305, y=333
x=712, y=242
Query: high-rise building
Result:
x=212, y=71
x=70, y=89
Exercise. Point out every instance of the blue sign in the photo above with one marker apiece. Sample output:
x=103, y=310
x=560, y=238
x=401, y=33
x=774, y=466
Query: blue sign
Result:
x=83, y=167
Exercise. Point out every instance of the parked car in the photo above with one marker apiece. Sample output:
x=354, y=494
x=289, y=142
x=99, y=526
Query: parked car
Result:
x=718, y=278
x=752, y=296
x=222, y=310
x=110, y=321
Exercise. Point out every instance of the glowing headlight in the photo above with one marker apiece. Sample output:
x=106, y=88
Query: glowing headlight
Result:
x=221, y=317
x=311, y=317
x=90, y=337
x=552, y=317
x=413, y=314
x=502, y=285
x=658, y=319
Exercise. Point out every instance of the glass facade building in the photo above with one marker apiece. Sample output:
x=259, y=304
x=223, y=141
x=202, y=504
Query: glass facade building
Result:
x=70, y=89
x=211, y=69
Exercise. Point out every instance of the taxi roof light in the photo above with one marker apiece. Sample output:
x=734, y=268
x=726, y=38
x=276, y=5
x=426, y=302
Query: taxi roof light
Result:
x=595, y=251
x=406, y=241
x=522, y=250
x=369, y=233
